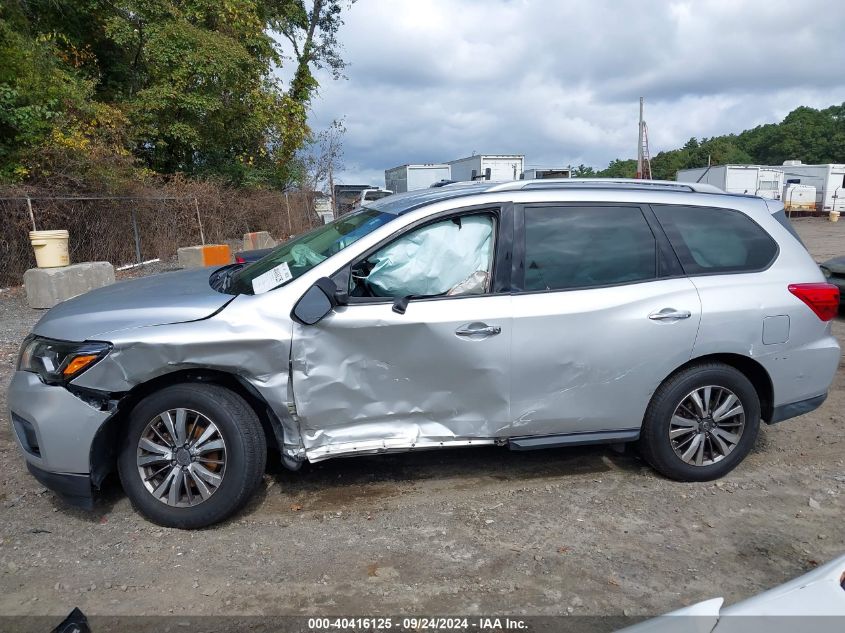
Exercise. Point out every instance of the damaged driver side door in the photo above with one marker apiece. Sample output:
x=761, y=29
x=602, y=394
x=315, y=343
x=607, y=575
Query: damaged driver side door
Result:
x=420, y=355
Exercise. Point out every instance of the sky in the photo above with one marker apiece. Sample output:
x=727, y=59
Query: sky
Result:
x=560, y=81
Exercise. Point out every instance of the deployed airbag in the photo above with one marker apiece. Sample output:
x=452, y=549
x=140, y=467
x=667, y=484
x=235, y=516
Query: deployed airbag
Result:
x=434, y=259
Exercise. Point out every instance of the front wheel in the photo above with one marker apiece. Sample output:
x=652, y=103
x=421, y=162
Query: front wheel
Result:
x=193, y=455
x=701, y=423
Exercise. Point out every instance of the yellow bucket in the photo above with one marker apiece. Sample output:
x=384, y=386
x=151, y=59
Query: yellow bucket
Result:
x=50, y=248
x=834, y=216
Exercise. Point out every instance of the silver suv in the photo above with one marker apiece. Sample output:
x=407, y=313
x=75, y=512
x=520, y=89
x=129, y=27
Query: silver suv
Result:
x=528, y=314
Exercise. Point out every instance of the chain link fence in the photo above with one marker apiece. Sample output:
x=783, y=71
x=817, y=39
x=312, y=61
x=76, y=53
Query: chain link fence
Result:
x=132, y=229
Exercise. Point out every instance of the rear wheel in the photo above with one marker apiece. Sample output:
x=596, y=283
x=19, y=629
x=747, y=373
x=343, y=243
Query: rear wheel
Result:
x=192, y=456
x=701, y=423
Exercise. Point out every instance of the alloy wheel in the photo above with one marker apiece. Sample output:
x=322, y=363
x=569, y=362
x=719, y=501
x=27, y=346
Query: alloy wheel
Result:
x=707, y=425
x=181, y=457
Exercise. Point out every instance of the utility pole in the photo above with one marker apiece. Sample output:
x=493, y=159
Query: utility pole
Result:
x=640, y=143
x=335, y=214
x=643, y=158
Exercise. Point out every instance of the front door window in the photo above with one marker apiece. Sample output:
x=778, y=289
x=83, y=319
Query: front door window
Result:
x=446, y=258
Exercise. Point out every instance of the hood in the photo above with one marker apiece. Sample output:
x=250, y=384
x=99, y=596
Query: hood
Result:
x=175, y=297
x=836, y=265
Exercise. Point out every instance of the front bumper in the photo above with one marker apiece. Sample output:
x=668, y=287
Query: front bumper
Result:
x=75, y=489
x=54, y=430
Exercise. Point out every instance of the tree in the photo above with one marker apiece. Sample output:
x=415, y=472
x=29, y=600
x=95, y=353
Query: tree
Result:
x=177, y=85
x=39, y=94
x=323, y=158
x=806, y=134
x=312, y=35
x=619, y=169
x=582, y=171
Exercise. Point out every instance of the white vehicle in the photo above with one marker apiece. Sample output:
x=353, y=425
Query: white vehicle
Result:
x=814, y=602
x=753, y=180
x=412, y=177
x=492, y=167
x=368, y=195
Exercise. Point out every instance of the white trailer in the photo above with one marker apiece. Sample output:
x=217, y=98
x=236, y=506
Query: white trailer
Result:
x=495, y=167
x=542, y=174
x=411, y=177
x=770, y=183
x=799, y=197
x=753, y=180
x=829, y=181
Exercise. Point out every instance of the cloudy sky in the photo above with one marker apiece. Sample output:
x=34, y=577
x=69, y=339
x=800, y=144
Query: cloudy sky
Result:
x=559, y=81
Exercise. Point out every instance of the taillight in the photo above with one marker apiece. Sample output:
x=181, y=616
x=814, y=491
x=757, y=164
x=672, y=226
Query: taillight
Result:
x=823, y=299
x=239, y=260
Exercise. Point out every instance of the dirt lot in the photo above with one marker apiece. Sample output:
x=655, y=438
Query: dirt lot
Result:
x=581, y=531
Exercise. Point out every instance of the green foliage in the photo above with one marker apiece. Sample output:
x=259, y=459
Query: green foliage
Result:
x=619, y=169
x=806, y=134
x=583, y=171
x=809, y=135
x=720, y=150
x=313, y=37
x=158, y=86
x=38, y=94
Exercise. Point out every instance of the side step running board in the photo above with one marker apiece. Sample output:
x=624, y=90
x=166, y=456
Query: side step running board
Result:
x=529, y=443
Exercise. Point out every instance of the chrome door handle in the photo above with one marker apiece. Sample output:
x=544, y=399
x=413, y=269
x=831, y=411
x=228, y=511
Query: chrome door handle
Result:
x=478, y=330
x=669, y=314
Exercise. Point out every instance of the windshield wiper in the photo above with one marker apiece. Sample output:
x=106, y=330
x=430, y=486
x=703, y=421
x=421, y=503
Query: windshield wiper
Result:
x=221, y=279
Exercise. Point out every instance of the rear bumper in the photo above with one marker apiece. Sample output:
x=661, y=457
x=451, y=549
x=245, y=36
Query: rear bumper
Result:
x=801, y=372
x=75, y=489
x=839, y=282
x=794, y=409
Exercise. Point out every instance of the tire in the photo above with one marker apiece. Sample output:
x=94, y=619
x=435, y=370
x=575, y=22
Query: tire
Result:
x=674, y=396
x=221, y=461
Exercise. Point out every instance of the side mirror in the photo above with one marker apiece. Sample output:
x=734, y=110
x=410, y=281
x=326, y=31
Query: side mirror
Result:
x=400, y=304
x=316, y=303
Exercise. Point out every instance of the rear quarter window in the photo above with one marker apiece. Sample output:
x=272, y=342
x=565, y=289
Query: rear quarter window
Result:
x=711, y=240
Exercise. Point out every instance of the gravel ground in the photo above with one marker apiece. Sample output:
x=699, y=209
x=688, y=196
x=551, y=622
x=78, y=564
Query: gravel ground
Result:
x=483, y=530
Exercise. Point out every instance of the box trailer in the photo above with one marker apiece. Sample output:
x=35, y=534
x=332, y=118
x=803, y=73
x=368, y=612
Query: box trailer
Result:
x=829, y=181
x=495, y=167
x=753, y=180
x=542, y=174
x=412, y=177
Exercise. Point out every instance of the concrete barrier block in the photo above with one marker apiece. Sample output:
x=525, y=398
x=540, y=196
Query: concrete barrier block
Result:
x=45, y=287
x=207, y=255
x=258, y=239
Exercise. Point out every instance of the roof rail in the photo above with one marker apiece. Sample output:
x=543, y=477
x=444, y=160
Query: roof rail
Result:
x=614, y=183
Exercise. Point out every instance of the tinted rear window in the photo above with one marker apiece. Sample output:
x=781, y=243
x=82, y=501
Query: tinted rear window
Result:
x=711, y=240
x=581, y=247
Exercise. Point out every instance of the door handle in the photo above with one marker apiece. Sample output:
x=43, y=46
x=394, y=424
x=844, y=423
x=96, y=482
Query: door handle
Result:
x=669, y=314
x=478, y=330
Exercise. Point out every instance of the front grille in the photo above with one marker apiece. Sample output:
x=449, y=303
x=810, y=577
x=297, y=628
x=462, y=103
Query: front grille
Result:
x=26, y=434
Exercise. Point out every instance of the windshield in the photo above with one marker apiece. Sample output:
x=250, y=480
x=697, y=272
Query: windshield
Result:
x=300, y=254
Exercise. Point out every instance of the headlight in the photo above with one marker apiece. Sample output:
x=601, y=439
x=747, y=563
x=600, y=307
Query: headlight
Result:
x=59, y=361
